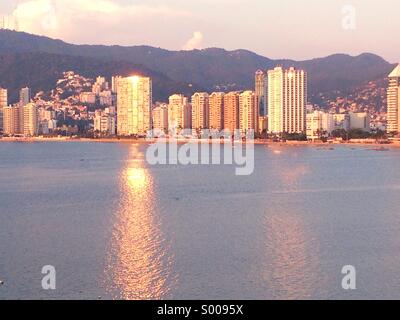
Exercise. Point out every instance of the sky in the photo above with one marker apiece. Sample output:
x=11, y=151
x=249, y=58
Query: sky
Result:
x=295, y=29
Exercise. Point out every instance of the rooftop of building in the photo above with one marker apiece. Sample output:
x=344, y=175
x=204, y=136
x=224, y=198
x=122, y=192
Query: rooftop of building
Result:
x=395, y=73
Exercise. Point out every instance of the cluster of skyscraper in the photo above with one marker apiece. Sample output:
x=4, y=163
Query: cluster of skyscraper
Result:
x=20, y=118
x=277, y=105
x=216, y=111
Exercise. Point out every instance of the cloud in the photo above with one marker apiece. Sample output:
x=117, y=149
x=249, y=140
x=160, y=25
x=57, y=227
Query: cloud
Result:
x=34, y=16
x=195, y=42
x=97, y=21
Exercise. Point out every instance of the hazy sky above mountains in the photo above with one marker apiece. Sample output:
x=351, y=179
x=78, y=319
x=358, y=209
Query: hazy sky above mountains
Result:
x=298, y=29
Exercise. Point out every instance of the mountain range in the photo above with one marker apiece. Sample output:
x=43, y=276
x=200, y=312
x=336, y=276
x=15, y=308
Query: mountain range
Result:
x=37, y=61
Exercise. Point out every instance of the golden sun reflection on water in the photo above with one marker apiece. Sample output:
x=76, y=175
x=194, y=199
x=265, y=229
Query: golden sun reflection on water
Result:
x=138, y=265
x=293, y=264
x=136, y=177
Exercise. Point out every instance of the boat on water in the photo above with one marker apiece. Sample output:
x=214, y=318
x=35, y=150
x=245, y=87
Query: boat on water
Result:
x=380, y=149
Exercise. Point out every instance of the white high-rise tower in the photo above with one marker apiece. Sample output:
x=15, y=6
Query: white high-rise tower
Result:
x=287, y=98
x=393, y=101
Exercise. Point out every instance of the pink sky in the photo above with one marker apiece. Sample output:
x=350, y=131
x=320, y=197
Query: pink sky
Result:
x=298, y=29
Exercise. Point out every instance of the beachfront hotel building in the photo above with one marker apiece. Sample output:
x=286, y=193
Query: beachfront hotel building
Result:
x=160, y=117
x=200, y=111
x=231, y=111
x=134, y=103
x=179, y=112
x=342, y=121
x=21, y=120
x=30, y=120
x=287, y=97
x=3, y=104
x=261, y=78
x=393, y=101
x=217, y=110
x=248, y=112
x=319, y=124
x=104, y=123
x=24, y=99
x=11, y=122
x=360, y=121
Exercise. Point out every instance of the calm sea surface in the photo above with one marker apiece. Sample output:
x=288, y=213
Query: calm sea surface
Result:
x=115, y=227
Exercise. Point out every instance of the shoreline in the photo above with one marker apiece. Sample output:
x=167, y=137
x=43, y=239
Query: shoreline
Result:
x=144, y=141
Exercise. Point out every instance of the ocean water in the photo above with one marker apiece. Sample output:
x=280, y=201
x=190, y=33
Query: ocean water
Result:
x=115, y=227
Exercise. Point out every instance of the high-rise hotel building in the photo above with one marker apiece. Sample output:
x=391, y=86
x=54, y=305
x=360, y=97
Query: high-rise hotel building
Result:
x=287, y=98
x=30, y=120
x=24, y=99
x=248, y=112
x=21, y=120
x=217, y=110
x=200, y=111
x=393, y=101
x=3, y=104
x=24, y=96
x=160, y=118
x=231, y=111
x=261, y=78
x=179, y=112
x=3, y=98
x=11, y=120
x=134, y=102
